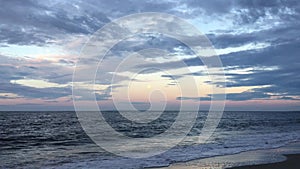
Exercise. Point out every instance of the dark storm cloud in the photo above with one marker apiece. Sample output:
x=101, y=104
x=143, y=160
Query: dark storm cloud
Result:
x=244, y=11
x=9, y=69
x=284, y=33
x=37, y=22
x=27, y=22
x=285, y=56
x=15, y=35
x=259, y=8
x=117, y=9
x=208, y=7
x=12, y=69
x=248, y=95
x=31, y=92
x=100, y=95
x=232, y=40
x=20, y=68
x=172, y=77
x=284, y=78
x=162, y=44
x=276, y=66
x=285, y=13
x=283, y=52
x=106, y=93
x=196, y=74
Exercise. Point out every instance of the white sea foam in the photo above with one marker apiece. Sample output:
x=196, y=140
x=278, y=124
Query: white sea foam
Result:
x=182, y=153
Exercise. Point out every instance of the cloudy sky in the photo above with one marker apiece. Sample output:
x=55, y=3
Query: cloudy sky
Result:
x=257, y=41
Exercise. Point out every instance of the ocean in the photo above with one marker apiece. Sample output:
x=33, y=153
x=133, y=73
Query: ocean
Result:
x=57, y=140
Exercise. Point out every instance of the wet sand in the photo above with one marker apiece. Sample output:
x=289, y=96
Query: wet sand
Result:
x=286, y=157
x=292, y=162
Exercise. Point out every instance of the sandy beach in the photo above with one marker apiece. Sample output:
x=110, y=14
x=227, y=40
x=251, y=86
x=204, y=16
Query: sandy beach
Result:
x=292, y=162
x=278, y=158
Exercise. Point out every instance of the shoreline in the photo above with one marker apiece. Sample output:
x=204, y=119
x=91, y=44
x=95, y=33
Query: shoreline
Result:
x=292, y=162
x=287, y=156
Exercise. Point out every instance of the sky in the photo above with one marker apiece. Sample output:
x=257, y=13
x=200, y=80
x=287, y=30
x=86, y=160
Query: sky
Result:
x=257, y=41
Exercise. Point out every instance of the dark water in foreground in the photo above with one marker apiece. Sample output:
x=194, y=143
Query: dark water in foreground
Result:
x=56, y=139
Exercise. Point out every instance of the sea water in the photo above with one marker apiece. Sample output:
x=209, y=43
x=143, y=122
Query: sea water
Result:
x=57, y=140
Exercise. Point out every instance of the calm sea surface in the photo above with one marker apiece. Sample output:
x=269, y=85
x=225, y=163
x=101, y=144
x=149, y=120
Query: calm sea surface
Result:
x=56, y=139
